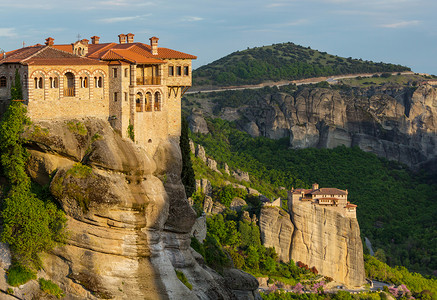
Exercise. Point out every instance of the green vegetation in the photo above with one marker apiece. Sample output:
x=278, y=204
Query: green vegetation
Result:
x=77, y=127
x=341, y=295
x=404, y=80
x=181, y=276
x=398, y=275
x=238, y=237
x=187, y=175
x=16, y=89
x=31, y=223
x=49, y=287
x=18, y=275
x=397, y=210
x=285, y=61
x=79, y=171
x=131, y=132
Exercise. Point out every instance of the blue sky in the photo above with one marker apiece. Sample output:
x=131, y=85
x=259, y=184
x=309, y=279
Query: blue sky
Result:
x=396, y=31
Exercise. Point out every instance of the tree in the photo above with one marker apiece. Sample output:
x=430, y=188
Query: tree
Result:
x=30, y=225
x=187, y=175
x=16, y=89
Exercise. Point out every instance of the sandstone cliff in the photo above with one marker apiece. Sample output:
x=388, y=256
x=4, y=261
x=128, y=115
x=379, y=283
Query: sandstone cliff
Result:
x=325, y=239
x=128, y=217
x=318, y=237
x=394, y=122
x=276, y=230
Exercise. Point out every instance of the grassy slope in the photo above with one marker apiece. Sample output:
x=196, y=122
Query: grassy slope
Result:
x=390, y=199
x=285, y=61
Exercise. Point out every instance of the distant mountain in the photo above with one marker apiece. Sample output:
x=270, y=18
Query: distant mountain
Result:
x=278, y=62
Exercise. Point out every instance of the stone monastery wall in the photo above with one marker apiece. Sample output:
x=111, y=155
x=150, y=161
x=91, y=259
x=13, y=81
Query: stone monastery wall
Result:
x=52, y=98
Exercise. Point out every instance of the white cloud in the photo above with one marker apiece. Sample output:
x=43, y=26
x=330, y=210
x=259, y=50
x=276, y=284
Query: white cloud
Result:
x=191, y=19
x=118, y=19
x=119, y=3
x=401, y=24
x=7, y=32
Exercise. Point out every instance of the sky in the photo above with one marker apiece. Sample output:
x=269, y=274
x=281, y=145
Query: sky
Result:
x=394, y=31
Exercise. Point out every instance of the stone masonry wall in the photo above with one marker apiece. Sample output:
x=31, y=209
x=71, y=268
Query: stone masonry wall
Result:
x=51, y=103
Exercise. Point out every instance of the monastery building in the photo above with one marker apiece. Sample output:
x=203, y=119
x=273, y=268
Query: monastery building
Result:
x=136, y=86
x=331, y=198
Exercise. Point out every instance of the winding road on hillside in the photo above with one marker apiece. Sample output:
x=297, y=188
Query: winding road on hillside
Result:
x=330, y=80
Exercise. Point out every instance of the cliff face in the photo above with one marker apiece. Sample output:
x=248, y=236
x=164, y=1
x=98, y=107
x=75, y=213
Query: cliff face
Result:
x=393, y=122
x=276, y=230
x=128, y=216
x=325, y=239
x=318, y=237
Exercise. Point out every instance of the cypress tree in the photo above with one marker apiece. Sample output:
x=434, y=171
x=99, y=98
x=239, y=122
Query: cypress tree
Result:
x=16, y=89
x=187, y=174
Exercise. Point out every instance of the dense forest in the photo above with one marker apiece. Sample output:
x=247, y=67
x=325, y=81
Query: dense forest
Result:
x=396, y=208
x=285, y=61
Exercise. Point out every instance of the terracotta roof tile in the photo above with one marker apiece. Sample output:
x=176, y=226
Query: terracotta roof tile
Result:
x=18, y=55
x=66, y=48
x=328, y=191
x=131, y=56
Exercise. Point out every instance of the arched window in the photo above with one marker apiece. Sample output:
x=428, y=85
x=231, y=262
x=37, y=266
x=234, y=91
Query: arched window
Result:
x=98, y=82
x=69, y=84
x=38, y=83
x=53, y=82
x=148, y=101
x=83, y=82
x=139, y=102
x=157, y=106
x=2, y=82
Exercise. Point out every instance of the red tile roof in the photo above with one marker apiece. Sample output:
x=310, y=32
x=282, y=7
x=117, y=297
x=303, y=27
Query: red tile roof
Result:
x=59, y=54
x=328, y=191
x=46, y=55
x=18, y=55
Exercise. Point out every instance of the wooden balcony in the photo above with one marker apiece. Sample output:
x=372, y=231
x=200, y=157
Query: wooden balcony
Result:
x=69, y=92
x=148, y=81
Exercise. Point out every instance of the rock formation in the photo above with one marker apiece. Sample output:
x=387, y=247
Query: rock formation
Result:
x=276, y=230
x=394, y=122
x=128, y=216
x=325, y=239
x=197, y=123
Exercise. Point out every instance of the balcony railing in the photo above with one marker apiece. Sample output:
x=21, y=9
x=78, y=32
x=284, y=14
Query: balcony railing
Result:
x=69, y=92
x=148, y=81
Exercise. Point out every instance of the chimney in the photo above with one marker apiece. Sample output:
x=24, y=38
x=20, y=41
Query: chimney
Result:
x=130, y=38
x=122, y=38
x=95, y=39
x=85, y=41
x=49, y=41
x=154, y=45
x=315, y=186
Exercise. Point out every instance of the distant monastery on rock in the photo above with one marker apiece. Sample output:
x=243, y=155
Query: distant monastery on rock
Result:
x=136, y=86
x=331, y=198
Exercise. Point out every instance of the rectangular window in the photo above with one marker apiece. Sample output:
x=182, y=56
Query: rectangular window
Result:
x=170, y=71
x=126, y=72
x=114, y=72
x=125, y=96
x=186, y=71
x=115, y=96
x=178, y=70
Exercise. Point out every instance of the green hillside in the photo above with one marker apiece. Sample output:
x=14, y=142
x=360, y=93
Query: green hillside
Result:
x=285, y=61
x=396, y=208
